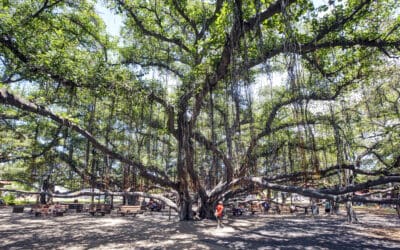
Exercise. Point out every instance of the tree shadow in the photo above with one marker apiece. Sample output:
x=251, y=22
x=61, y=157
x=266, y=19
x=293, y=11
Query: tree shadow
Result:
x=155, y=231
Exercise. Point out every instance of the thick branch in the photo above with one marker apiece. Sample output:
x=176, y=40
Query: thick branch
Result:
x=45, y=6
x=232, y=42
x=210, y=146
x=268, y=126
x=149, y=172
x=158, y=64
x=362, y=186
x=323, y=173
x=330, y=194
x=147, y=32
x=274, y=8
x=169, y=110
x=339, y=23
x=11, y=44
x=209, y=21
x=167, y=201
x=178, y=7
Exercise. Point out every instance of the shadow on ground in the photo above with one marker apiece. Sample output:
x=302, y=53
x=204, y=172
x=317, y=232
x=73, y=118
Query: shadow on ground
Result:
x=156, y=231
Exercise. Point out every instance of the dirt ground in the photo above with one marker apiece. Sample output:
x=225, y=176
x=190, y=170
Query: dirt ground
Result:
x=156, y=231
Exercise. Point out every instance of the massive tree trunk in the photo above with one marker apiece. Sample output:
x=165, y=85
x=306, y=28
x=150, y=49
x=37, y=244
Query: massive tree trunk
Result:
x=185, y=208
x=45, y=189
x=206, y=209
x=184, y=160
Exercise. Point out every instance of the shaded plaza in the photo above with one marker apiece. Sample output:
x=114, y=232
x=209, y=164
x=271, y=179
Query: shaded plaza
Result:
x=157, y=231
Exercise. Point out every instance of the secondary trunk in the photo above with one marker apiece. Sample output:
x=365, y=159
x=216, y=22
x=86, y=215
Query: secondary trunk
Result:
x=206, y=210
x=184, y=159
x=45, y=189
x=185, y=209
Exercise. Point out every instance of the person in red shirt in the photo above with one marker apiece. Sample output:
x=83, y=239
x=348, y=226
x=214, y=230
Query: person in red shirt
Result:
x=219, y=212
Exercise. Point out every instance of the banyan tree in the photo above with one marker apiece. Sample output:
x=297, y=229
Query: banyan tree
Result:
x=206, y=99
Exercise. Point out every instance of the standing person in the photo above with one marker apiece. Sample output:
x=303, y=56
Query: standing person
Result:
x=266, y=206
x=219, y=211
x=292, y=208
x=236, y=209
x=314, y=208
x=351, y=214
x=327, y=207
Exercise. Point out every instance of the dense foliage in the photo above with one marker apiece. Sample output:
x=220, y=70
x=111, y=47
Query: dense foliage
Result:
x=210, y=99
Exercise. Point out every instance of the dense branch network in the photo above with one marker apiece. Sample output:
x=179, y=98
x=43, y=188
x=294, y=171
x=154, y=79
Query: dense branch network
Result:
x=203, y=66
x=149, y=172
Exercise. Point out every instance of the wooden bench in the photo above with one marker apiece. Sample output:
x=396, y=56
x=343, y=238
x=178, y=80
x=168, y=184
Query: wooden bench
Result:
x=56, y=210
x=78, y=207
x=276, y=209
x=18, y=209
x=101, y=209
x=130, y=209
x=40, y=210
x=255, y=208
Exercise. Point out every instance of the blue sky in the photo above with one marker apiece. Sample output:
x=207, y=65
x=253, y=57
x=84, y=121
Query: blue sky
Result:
x=114, y=22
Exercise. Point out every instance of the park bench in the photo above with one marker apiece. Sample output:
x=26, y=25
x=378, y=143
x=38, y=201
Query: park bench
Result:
x=276, y=209
x=101, y=209
x=56, y=210
x=236, y=211
x=40, y=210
x=78, y=207
x=293, y=209
x=255, y=208
x=18, y=209
x=130, y=209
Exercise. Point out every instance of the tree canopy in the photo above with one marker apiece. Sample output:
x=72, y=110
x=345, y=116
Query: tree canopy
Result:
x=210, y=99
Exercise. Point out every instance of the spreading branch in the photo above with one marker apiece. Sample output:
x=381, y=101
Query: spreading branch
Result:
x=141, y=26
x=339, y=195
x=167, y=201
x=149, y=172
